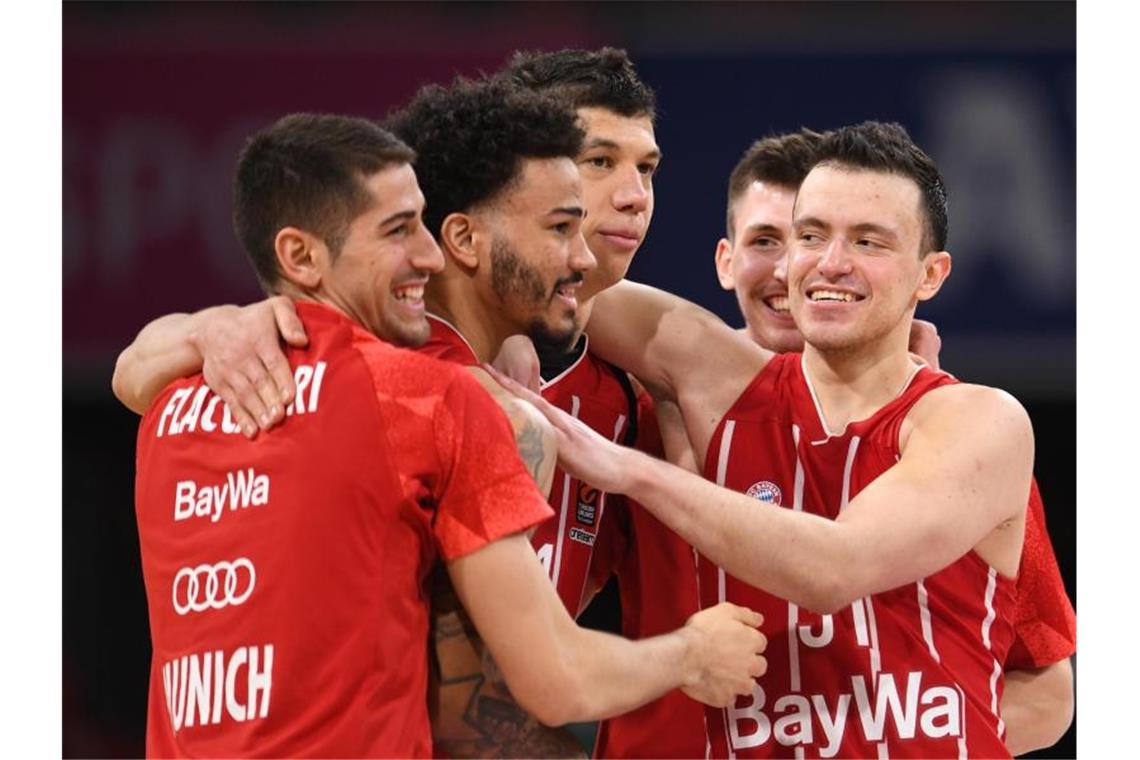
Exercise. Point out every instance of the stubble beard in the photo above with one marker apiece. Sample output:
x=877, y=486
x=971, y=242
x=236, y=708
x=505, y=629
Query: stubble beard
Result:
x=512, y=278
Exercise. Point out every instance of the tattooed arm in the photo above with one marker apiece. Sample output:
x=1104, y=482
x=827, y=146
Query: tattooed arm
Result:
x=472, y=712
x=533, y=434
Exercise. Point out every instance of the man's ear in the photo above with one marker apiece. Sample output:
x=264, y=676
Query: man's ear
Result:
x=301, y=256
x=724, y=264
x=460, y=236
x=935, y=269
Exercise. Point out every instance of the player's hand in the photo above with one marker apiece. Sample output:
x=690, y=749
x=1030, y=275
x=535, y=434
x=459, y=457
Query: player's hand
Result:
x=730, y=653
x=518, y=360
x=581, y=451
x=925, y=345
x=243, y=362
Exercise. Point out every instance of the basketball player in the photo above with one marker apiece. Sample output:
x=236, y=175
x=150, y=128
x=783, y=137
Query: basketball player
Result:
x=1037, y=704
x=280, y=547
x=912, y=487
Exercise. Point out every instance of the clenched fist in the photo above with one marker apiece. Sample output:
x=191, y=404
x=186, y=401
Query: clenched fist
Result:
x=729, y=651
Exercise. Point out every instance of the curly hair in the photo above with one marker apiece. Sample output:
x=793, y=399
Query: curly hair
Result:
x=305, y=171
x=777, y=159
x=472, y=137
x=886, y=147
x=603, y=78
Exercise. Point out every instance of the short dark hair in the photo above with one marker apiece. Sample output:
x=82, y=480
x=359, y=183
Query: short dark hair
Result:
x=602, y=78
x=777, y=159
x=306, y=171
x=886, y=147
x=472, y=137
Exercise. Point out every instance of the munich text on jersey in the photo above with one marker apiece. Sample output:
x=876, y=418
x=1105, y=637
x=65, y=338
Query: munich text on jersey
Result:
x=202, y=688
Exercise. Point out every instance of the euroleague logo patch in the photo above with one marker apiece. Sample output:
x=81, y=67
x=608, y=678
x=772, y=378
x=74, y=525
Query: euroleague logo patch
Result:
x=766, y=491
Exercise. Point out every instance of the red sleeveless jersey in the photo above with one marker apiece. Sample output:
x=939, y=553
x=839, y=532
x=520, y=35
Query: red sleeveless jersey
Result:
x=286, y=576
x=911, y=672
x=587, y=389
x=657, y=581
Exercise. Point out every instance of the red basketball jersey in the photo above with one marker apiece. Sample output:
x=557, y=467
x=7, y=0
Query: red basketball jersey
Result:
x=286, y=576
x=590, y=390
x=657, y=581
x=911, y=672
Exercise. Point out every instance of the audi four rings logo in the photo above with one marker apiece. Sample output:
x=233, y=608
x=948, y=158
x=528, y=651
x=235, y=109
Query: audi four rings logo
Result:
x=213, y=586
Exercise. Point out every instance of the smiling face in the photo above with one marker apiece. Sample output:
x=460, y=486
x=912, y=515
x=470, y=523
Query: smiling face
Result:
x=617, y=163
x=751, y=264
x=538, y=257
x=855, y=272
x=378, y=276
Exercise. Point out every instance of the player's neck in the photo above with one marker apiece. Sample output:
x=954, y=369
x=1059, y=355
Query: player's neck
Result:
x=466, y=312
x=853, y=385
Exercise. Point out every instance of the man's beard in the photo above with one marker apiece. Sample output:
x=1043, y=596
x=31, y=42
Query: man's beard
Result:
x=514, y=278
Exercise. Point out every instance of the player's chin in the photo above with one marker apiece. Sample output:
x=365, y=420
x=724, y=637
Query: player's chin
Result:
x=411, y=333
x=555, y=333
x=783, y=340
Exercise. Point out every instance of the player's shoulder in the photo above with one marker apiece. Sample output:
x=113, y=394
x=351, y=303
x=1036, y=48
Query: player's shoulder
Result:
x=965, y=406
x=402, y=371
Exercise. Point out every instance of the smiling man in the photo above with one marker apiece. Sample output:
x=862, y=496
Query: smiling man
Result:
x=873, y=508
x=387, y=461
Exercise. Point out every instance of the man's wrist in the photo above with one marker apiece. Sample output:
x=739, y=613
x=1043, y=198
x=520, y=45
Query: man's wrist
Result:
x=691, y=640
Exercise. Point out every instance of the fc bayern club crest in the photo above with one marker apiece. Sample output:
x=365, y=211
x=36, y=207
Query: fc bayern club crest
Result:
x=766, y=491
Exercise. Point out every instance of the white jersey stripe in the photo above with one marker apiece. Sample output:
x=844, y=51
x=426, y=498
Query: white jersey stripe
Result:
x=851, y=449
x=883, y=754
x=876, y=660
x=963, y=750
x=793, y=609
x=721, y=473
x=993, y=697
x=924, y=614
x=601, y=513
x=575, y=406
x=991, y=586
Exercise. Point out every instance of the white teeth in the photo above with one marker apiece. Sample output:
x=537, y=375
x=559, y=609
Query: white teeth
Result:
x=778, y=303
x=831, y=295
x=413, y=293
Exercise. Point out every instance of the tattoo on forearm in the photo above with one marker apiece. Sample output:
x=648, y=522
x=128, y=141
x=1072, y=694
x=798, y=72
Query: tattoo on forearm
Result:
x=472, y=711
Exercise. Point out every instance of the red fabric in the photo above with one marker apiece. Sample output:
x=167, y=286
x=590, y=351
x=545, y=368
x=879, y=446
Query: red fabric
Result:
x=657, y=580
x=932, y=648
x=344, y=510
x=1044, y=620
x=565, y=544
x=447, y=344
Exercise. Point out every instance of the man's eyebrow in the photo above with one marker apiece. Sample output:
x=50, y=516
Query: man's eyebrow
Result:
x=399, y=215
x=762, y=227
x=876, y=229
x=568, y=210
x=605, y=142
x=812, y=221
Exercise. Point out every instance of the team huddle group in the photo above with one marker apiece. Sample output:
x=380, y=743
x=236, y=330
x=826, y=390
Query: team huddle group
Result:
x=371, y=506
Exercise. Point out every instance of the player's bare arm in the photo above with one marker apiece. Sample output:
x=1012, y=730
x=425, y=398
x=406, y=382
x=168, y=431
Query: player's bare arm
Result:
x=236, y=348
x=658, y=337
x=561, y=673
x=961, y=484
x=1037, y=706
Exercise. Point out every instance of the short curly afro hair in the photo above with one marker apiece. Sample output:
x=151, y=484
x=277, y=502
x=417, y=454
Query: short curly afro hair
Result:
x=471, y=138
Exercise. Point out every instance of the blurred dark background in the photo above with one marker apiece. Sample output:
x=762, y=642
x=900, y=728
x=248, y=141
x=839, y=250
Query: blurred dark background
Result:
x=157, y=99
